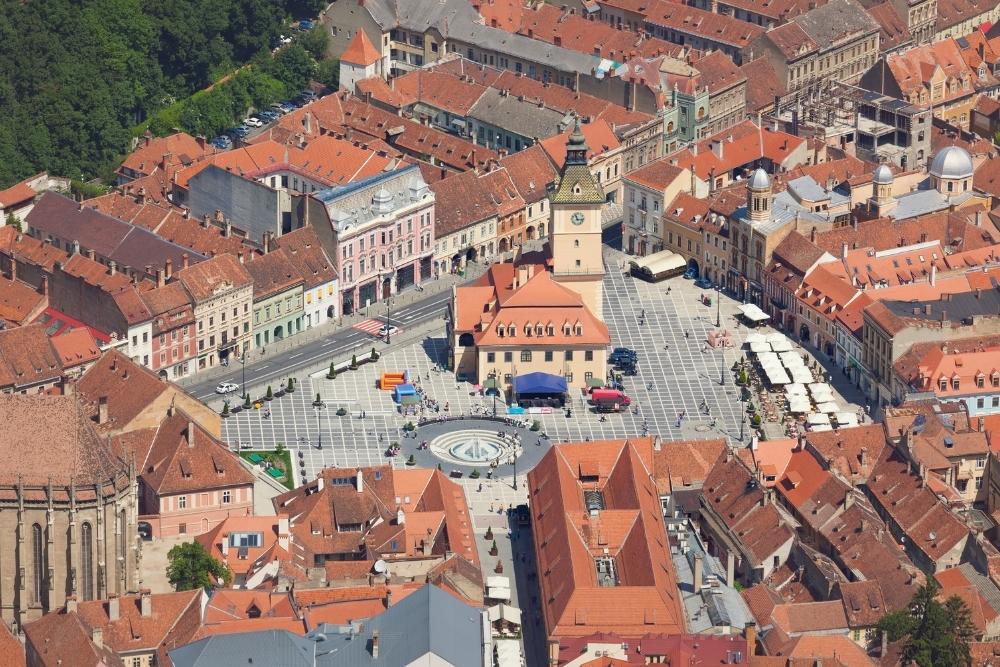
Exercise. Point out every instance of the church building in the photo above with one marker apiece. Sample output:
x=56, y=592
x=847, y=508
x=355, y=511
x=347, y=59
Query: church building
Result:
x=541, y=313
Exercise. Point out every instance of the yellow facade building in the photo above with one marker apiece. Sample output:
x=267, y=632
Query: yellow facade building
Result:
x=541, y=314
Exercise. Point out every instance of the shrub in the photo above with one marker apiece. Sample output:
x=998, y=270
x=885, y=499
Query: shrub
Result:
x=332, y=373
x=474, y=474
x=354, y=362
x=756, y=420
x=742, y=377
x=269, y=394
x=318, y=399
x=291, y=385
x=374, y=356
x=246, y=402
x=493, y=548
x=279, y=449
x=536, y=425
x=225, y=409
x=408, y=426
x=341, y=412
x=411, y=461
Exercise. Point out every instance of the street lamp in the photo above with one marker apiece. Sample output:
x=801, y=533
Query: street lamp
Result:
x=319, y=432
x=718, y=308
x=243, y=364
x=515, y=467
x=743, y=412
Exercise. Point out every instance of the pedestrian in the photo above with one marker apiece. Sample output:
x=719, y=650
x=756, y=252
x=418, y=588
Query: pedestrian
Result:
x=687, y=334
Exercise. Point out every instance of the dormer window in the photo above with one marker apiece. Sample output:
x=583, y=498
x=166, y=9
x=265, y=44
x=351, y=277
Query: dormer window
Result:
x=527, y=330
x=539, y=330
x=980, y=380
x=500, y=331
x=511, y=331
x=995, y=380
x=943, y=384
x=579, y=330
x=550, y=330
x=955, y=383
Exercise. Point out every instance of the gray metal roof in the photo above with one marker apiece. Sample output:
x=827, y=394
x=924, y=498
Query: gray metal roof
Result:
x=883, y=175
x=351, y=206
x=267, y=647
x=518, y=116
x=759, y=180
x=952, y=162
x=956, y=307
x=427, y=622
x=922, y=202
x=806, y=187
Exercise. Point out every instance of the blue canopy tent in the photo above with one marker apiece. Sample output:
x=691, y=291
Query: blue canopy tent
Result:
x=534, y=386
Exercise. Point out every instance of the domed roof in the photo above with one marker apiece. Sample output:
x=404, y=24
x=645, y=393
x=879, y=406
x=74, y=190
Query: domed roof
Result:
x=883, y=175
x=952, y=162
x=759, y=180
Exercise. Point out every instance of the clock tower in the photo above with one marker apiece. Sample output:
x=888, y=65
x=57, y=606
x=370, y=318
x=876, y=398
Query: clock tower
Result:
x=576, y=203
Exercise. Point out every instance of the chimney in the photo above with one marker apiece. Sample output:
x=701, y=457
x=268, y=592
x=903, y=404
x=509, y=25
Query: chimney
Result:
x=717, y=148
x=388, y=598
x=168, y=269
x=283, y=532
x=145, y=603
x=71, y=604
x=201, y=141
x=730, y=569
x=160, y=279
x=750, y=634
x=933, y=278
x=864, y=457
x=227, y=229
x=981, y=425
x=184, y=261
x=553, y=652
x=91, y=255
x=812, y=235
x=97, y=636
x=189, y=434
x=113, y=606
x=375, y=644
x=979, y=218
x=45, y=285
x=204, y=220
x=698, y=573
x=76, y=247
x=359, y=481
x=267, y=242
x=843, y=250
x=13, y=269
x=112, y=267
x=102, y=410
x=849, y=499
x=885, y=643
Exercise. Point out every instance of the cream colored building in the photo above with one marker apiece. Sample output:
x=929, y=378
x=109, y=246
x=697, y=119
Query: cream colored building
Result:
x=521, y=317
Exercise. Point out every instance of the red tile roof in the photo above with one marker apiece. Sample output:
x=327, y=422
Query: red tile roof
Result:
x=19, y=302
x=156, y=153
x=18, y=193
x=361, y=51
x=658, y=174
x=629, y=531
x=76, y=348
x=764, y=84
x=717, y=28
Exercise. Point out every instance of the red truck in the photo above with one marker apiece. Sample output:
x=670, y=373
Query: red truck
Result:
x=609, y=400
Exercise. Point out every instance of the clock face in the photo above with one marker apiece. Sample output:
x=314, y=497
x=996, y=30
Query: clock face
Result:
x=577, y=218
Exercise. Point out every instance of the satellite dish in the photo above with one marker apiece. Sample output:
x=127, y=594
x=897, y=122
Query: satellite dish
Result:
x=381, y=567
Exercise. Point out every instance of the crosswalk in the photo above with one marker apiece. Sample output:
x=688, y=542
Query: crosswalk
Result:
x=372, y=326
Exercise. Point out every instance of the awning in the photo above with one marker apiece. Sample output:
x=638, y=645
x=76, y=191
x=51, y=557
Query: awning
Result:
x=505, y=612
x=798, y=404
x=410, y=399
x=539, y=383
x=759, y=347
x=819, y=419
x=846, y=419
x=829, y=407
x=595, y=382
x=796, y=389
x=753, y=312
x=756, y=338
x=498, y=593
x=783, y=345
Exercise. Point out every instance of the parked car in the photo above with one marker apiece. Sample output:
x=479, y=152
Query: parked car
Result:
x=226, y=388
x=222, y=141
x=306, y=25
x=689, y=274
x=387, y=330
x=285, y=40
x=308, y=94
x=268, y=116
x=253, y=121
x=622, y=354
x=279, y=108
x=703, y=283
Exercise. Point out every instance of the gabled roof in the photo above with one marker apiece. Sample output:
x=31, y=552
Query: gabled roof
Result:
x=306, y=255
x=272, y=274
x=220, y=273
x=27, y=357
x=361, y=51
x=627, y=530
x=182, y=456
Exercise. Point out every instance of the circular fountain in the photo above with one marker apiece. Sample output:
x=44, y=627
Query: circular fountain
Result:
x=471, y=447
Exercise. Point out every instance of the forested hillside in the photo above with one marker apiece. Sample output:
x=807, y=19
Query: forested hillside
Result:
x=78, y=75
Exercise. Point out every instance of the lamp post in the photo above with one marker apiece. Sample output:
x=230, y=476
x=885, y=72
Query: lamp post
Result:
x=743, y=413
x=319, y=432
x=243, y=364
x=515, y=467
x=718, y=308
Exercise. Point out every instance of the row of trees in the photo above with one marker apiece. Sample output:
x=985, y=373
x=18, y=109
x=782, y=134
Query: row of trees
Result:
x=80, y=75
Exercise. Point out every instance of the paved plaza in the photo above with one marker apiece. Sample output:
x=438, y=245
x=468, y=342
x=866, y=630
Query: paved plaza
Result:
x=678, y=374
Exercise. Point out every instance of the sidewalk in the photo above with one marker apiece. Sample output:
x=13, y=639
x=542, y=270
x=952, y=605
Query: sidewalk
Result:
x=399, y=301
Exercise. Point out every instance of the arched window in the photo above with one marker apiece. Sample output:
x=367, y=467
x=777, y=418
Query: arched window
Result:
x=86, y=562
x=122, y=537
x=37, y=563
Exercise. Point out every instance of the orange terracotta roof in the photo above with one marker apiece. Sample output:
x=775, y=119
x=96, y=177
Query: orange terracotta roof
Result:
x=76, y=347
x=600, y=137
x=19, y=302
x=179, y=148
x=361, y=51
x=16, y=194
x=629, y=531
x=658, y=174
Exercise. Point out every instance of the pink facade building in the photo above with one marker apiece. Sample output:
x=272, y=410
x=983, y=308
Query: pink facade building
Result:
x=379, y=231
x=173, y=335
x=189, y=482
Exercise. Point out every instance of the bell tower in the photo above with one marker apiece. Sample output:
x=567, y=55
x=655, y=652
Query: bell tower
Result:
x=576, y=204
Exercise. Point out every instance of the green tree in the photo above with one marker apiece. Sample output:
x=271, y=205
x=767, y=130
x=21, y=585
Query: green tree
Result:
x=935, y=634
x=315, y=42
x=293, y=66
x=14, y=221
x=328, y=73
x=190, y=566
